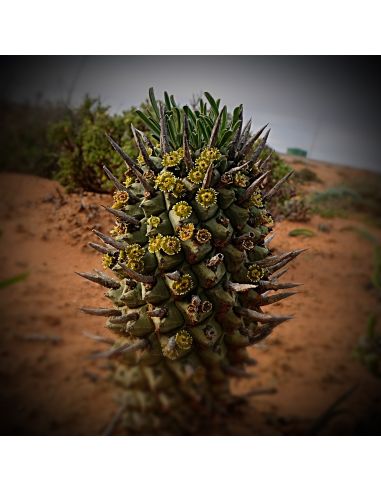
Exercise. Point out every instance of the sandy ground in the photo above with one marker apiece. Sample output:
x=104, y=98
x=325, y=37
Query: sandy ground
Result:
x=48, y=386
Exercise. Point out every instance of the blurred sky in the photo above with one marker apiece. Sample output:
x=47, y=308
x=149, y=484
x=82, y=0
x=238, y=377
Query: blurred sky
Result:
x=326, y=105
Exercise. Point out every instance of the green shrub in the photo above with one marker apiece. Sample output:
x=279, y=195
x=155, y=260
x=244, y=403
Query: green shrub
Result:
x=81, y=148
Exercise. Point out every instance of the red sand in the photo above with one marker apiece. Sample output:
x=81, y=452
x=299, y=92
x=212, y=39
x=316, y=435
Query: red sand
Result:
x=51, y=388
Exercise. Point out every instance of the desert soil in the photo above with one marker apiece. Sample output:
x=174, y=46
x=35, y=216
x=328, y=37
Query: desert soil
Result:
x=49, y=386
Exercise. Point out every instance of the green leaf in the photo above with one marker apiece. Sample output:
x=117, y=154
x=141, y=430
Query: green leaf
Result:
x=225, y=137
x=212, y=103
x=13, y=280
x=152, y=125
x=191, y=116
x=174, y=105
x=202, y=131
x=154, y=105
x=223, y=119
x=172, y=132
x=236, y=114
x=178, y=121
x=167, y=101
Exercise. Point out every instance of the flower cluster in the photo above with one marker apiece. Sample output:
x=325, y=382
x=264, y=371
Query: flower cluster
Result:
x=182, y=210
x=241, y=180
x=169, y=244
x=255, y=273
x=183, y=340
x=129, y=178
x=173, y=158
x=256, y=199
x=108, y=261
x=153, y=221
x=179, y=188
x=165, y=181
x=203, y=236
x=207, y=156
x=206, y=197
x=185, y=231
x=183, y=285
x=132, y=255
x=120, y=199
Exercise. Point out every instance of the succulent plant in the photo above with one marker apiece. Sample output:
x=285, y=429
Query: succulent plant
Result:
x=192, y=266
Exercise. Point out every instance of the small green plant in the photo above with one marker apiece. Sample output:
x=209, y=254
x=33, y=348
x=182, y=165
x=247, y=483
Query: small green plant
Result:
x=13, y=280
x=191, y=266
x=306, y=175
x=301, y=232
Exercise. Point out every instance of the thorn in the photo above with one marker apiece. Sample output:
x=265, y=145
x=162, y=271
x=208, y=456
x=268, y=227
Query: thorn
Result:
x=100, y=248
x=125, y=318
x=101, y=280
x=244, y=135
x=164, y=142
x=260, y=391
x=276, y=276
x=143, y=150
x=109, y=240
x=216, y=129
x=208, y=176
x=278, y=185
x=248, y=145
x=98, y=338
x=187, y=155
x=122, y=349
x=132, y=166
x=101, y=311
x=117, y=183
x=146, y=140
x=269, y=285
x=250, y=190
x=236, y=287
x=122, y=215
x=267, y=300
x=268, y=240
x=173, y=275
x=287, y=258
x=138, y=277
x=236, y=372
x=256, y=316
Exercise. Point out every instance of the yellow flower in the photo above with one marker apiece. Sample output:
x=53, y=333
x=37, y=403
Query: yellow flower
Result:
x=241, y=180
x=108, y=261
x=255, y=273
x=120, y=199
x=202, y=164
x=185, y=231
x=212, y=154
x=179, y=189
x=153, y=221
x=134, y=251
x=267, y=220
x=203, y=236
x=170, y=245
x=173, y=158
x=182, y=286
x=182, y=210
x=165, y=181
x=206, y=197
x=183, y=340
x=154, y=243
x=129, y=178
x=196, y=175
x=256, y=199
x=119, y=230
x=140, y=158
x=136, y=265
